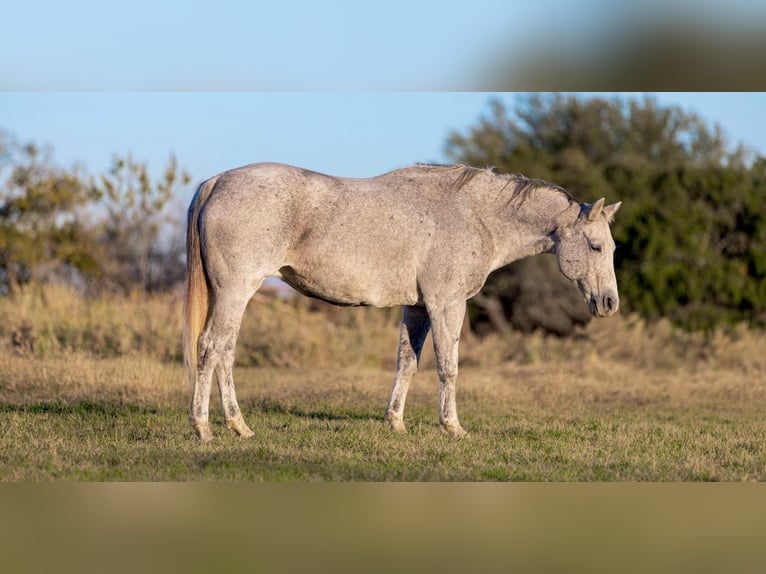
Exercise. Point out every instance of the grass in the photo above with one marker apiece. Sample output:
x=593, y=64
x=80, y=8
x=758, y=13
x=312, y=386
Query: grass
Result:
x=124, y=419
x=94, y=390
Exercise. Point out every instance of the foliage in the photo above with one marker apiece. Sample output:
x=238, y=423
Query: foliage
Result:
x=41, y=228
x=136, y=215
x=691, y=233
x=115, y=233
x=512, y=298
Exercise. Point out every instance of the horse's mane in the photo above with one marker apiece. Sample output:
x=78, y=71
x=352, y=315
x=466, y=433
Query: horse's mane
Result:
x=521, y=187
x=464, y=173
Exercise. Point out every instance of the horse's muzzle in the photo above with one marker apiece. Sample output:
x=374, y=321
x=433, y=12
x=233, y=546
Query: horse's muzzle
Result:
x=604, y=305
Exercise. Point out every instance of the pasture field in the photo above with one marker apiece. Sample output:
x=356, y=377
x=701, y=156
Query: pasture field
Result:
x=624, y=402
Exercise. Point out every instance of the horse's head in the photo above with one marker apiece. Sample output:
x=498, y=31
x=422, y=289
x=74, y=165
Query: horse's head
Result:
x=585, y=252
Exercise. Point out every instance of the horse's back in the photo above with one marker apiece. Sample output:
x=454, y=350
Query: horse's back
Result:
x=350, y=241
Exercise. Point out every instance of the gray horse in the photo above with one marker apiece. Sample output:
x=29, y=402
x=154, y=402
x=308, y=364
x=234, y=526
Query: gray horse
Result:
x=425, y=237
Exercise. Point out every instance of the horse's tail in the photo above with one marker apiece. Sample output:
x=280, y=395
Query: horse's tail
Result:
x=196, y=298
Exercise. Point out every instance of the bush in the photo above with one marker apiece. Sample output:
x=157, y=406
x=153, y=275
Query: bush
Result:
x=691, y=232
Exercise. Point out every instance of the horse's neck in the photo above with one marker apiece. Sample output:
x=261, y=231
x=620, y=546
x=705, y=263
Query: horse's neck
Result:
x=528, y=229
x=521, y=242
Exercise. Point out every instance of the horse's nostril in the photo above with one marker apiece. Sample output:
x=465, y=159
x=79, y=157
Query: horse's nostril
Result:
x=609, y=303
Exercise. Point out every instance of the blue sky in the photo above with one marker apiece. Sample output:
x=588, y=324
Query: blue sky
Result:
x=345, y=133
x=246, y=45
x=288, y=45
x=332, y=86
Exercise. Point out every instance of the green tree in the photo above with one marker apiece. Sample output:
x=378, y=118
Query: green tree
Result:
x=691, y=231
x=117, y=232
x=42, y=232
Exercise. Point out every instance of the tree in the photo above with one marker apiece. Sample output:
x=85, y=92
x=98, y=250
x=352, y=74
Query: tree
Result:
x=140, y=250
x=690, y=234
x=114, y=232
x=41, y=229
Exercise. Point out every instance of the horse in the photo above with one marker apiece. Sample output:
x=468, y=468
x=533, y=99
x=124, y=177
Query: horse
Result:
x=424, y=237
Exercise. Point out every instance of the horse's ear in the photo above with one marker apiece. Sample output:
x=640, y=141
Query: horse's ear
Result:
x=595, y=209
x=610, y=210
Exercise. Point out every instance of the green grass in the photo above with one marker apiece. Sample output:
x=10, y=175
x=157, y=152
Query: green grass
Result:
x=92, y=389
x=87, y=419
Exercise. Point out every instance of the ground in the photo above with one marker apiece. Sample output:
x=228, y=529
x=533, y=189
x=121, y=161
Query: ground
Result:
x=587, y=419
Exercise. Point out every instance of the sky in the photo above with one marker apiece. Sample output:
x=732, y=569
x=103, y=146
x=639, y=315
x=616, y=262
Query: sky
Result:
x=341, y=86
x=288, y=45
x=282, y=45
x=355, y=134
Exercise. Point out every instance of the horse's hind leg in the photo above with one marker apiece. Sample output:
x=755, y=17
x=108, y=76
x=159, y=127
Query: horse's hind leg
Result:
x=415, y=326
x=200, y=404
x=216, y=350
x=225, y=373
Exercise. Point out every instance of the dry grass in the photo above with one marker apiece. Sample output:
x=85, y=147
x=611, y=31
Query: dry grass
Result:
x=55, y=322
x=624, y=401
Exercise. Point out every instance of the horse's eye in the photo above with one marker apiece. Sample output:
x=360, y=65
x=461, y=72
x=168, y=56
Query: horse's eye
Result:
x=596, y=248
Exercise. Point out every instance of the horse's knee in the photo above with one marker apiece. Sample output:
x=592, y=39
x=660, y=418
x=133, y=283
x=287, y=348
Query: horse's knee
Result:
x=407, y=365
x=447, y=372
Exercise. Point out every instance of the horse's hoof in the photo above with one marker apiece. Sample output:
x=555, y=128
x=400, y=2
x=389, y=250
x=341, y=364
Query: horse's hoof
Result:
x=239, y=426
x=395, y=424
x=453, y=429
x=203, y=431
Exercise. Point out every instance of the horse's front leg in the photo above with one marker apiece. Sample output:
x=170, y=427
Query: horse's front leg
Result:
x=413, y=333
x=446, y=323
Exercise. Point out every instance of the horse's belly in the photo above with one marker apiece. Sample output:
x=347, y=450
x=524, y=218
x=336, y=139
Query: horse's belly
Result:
x=346, y=285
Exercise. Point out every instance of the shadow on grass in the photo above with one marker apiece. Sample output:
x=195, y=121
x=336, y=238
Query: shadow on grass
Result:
x=271, y=406
x=84, y=407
